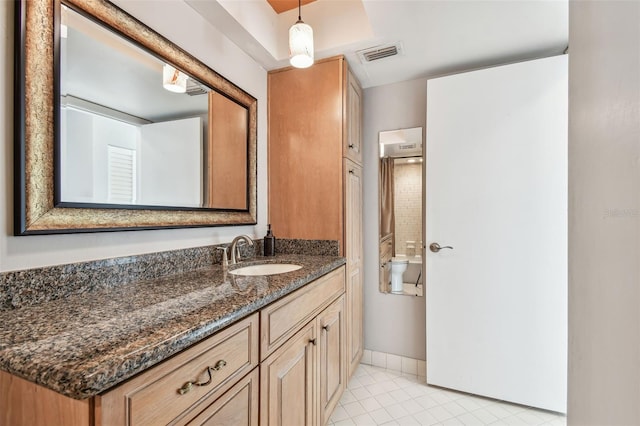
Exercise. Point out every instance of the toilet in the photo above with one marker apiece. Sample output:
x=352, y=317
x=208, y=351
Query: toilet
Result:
x=398, y=266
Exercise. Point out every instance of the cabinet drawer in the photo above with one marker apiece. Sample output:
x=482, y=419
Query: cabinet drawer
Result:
x=154, y=397
x=237, y=407
x=282, y=319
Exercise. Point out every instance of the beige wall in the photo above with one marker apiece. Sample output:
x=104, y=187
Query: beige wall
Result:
x=392, y=324
x=181, y=24
x=604, y=213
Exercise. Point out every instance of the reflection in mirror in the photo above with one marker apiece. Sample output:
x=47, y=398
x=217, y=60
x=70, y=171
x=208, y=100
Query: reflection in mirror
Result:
x=136, y=130
x=401, y=217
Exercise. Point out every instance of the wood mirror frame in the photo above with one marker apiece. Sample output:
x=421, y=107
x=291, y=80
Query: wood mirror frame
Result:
x=36, y=136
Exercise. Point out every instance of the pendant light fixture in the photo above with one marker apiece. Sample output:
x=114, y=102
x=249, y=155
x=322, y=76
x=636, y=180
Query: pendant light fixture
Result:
x=173, y=80
x=300, y=42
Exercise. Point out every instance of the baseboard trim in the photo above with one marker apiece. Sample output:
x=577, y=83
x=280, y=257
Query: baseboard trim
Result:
x=402, y=364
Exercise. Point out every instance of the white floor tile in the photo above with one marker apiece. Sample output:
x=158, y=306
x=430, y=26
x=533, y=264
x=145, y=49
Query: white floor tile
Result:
x=412, y=407
x=485, y=416
x=364, y=420
x=376, y=395
x=452, y=422
x=359, y=394
x=346, y=422
x=355, y=383
x=370, y=404
x=385, y=399
x=400, y=395
x=339, y=414
x=348, y=397
x=469, y=419
x=454, y=408
x=440, y=413
x=380, y=416
x=427, y=402
x=396, y=411
x=425, y=418
x=408, y=421
x=497, y=410
x=354, y=409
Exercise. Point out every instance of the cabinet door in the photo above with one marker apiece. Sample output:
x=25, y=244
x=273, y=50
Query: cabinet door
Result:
x=353, y=246
x=352, y=148
x=237, y=407
x=332, y=358
x=305, y=151
x=288, y=382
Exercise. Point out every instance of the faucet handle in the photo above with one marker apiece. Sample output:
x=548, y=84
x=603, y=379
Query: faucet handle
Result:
x=225, y=257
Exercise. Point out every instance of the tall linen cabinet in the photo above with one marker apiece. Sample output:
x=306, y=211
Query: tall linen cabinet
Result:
x=315, y=170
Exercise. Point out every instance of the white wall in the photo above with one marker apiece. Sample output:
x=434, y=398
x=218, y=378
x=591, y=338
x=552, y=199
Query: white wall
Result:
x=392, y=324
x=170, y=174
x=181, y=24
x=604, y=213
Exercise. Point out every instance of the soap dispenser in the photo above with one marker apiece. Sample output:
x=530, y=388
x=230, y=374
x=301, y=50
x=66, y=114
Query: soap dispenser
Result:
x=269, y=243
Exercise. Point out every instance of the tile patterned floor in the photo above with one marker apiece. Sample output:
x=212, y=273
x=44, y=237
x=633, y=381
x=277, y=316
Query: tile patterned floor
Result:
x=376, y=396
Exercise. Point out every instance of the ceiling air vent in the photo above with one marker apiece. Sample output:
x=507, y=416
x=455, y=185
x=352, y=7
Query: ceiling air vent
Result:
x=379, y=52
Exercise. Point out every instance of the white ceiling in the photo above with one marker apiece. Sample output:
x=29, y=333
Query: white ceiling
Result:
x=438, y=37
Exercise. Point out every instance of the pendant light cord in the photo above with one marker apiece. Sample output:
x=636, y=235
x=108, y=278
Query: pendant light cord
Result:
x=299, y=10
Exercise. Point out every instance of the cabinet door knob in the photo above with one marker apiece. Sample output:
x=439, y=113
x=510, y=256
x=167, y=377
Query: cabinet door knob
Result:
x=351, y=171
x=313, y=341
x=326, y=327
x=350, y=146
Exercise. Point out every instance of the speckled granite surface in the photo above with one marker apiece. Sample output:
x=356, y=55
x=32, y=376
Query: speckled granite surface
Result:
x=86, y=343
x=33, y=286
x=317, y=247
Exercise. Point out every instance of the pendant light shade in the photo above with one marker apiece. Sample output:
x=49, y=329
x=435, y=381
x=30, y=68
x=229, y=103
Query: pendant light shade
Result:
x=300, y=43
x=173, y=80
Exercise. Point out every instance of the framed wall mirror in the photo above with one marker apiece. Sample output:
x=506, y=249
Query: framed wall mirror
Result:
x=117, y=128
x=401, y=196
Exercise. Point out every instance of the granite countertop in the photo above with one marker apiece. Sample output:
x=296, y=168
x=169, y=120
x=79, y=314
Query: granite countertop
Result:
x=84, y=344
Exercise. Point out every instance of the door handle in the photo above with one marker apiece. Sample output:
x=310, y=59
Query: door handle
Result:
x=435, y=247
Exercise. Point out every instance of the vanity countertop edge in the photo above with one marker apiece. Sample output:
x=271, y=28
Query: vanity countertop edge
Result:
x=83, y=345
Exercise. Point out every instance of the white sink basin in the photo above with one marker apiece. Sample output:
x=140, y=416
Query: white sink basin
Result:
x=266, y=269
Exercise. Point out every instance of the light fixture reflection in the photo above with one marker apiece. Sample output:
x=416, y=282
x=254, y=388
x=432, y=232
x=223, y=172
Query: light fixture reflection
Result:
x=174, y=80
x=300, y=42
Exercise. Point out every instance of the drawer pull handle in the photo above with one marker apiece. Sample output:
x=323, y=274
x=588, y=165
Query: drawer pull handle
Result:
x=313, y=341
x=189, y=385
x=326, y=327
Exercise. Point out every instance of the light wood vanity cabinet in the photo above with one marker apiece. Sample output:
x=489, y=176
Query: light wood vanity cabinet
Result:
x=315, y=169
x=284, y=365
x=169, y=393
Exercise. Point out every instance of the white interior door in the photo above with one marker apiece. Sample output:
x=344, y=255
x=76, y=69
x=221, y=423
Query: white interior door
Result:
x=496, y=191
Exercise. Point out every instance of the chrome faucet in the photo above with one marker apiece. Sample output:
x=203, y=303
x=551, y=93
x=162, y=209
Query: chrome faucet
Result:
x=235, y=252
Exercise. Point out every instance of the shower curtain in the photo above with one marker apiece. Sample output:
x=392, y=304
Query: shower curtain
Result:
x=387, y=216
